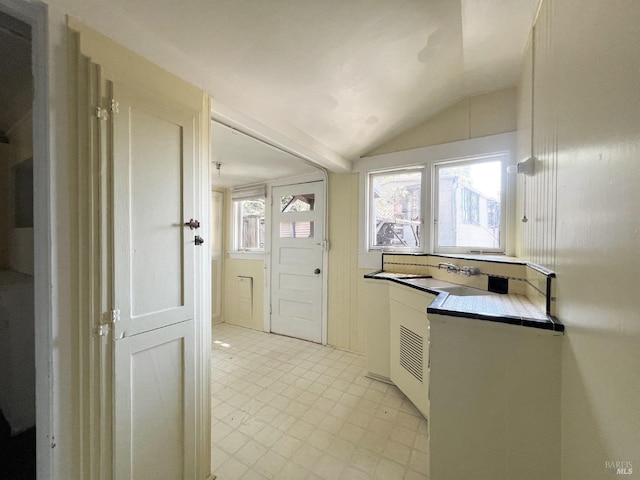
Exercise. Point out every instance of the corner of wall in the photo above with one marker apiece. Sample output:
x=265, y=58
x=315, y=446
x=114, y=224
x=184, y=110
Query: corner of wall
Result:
x=472, y=117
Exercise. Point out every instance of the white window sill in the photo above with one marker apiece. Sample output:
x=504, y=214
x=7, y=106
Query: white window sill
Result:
x=246, y=255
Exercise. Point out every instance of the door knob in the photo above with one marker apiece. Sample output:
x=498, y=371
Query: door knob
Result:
x=192, y=224
x=198, y=240
x=317, y=271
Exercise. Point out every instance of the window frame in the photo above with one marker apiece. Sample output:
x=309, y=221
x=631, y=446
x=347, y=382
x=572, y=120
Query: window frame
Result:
x=370, y=223
x=503, y=157
x=238, y=224
x=500, y=144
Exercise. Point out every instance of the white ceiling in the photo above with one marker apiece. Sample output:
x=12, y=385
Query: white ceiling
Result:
x=350, y=74
x=244, y=160
x=337, y=77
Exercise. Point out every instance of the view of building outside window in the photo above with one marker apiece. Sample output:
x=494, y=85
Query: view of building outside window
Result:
x=396, y=199
x=469, y=198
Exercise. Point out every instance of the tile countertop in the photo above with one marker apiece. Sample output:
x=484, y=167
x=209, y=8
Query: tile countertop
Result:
x=492, y=307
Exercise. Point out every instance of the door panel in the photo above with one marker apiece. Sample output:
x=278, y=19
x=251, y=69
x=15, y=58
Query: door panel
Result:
x=296, y=271
x=153, y=186
x=155, y=411
x=156, y=160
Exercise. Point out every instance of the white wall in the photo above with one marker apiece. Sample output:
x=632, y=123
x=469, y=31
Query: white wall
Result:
x=472, y=117
x=584, y=216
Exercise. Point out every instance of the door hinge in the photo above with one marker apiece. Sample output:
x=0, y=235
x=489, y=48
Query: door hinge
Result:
x=115, y=316
x=101, y=113
x=270, y=309
x=114, y=106
x=103, y=330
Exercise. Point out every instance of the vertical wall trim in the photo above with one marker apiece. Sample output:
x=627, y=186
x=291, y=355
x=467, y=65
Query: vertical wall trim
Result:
x=538, y=194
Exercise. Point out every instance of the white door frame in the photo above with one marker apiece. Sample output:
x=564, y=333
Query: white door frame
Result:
x=35, y=14
x=322, y=160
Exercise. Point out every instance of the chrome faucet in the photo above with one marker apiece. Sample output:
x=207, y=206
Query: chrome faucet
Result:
x=451, y=268
x=469, y=271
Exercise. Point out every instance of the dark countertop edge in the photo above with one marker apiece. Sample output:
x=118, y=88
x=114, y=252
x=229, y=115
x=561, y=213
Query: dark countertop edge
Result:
x=410, y=276
x=404, y=283
x=542, y=270
x=548, y=324
x=534, y=266
x=551, y=323
x=373, y=275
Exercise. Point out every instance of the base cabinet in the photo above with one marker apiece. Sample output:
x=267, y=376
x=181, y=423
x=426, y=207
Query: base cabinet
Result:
x=409, y=344
x=494, y=411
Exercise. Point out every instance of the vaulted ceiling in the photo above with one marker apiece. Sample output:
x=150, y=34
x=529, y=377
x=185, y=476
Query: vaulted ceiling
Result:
x=346, y=74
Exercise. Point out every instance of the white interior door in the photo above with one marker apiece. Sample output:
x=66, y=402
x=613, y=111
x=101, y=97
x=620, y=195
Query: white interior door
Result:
x=154, y=252
x=297, y=235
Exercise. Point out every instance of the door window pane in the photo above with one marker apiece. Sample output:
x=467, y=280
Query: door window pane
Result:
x=302, y=229
x=297, y=203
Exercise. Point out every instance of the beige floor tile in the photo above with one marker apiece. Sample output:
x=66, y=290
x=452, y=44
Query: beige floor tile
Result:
x=365, y=460
x=352, y=473
x=413, y=475
x=388, y=469
x=301, y=430
x=231, y=469
x=418, y=461
x=269, y=465
x=307, y=456
x=233, y=442
x=286, y=445
x=341, y=449
x=268, y=436
x=397, y=452
x=351, y=433
x=288, y=409
x=291, y=471
x=250, y=453
x=328, y=468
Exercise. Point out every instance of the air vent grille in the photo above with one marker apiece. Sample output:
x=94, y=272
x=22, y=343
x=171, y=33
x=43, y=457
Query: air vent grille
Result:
x=411, y=352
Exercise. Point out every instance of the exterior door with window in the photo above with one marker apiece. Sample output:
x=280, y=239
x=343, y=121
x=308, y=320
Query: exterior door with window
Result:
x=297, y=252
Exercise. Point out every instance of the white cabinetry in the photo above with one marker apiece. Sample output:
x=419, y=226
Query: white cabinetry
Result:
x=495, y=401
x=376, y=311
x=409, y=343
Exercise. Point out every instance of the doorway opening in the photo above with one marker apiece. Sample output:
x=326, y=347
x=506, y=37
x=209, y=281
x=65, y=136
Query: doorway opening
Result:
x=17, y=301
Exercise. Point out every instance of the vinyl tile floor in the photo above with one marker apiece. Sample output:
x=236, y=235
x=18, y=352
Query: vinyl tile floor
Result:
x=284, y=408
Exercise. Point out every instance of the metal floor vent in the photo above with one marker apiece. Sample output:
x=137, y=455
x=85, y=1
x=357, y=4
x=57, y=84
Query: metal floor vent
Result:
x=411, y=352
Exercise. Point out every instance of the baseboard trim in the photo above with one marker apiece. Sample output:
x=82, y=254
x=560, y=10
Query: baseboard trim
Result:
x=379, y=378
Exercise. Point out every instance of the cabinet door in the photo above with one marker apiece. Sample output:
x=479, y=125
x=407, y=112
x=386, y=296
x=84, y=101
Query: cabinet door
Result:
x=154, y=286
x=409, y=337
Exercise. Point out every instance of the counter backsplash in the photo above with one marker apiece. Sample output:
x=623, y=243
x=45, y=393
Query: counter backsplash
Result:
x=533, y=281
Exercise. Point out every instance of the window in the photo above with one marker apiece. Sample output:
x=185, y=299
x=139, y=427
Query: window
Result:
x=249, y=219
x=468, y=203
x=395, y=201
x=250, y=214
